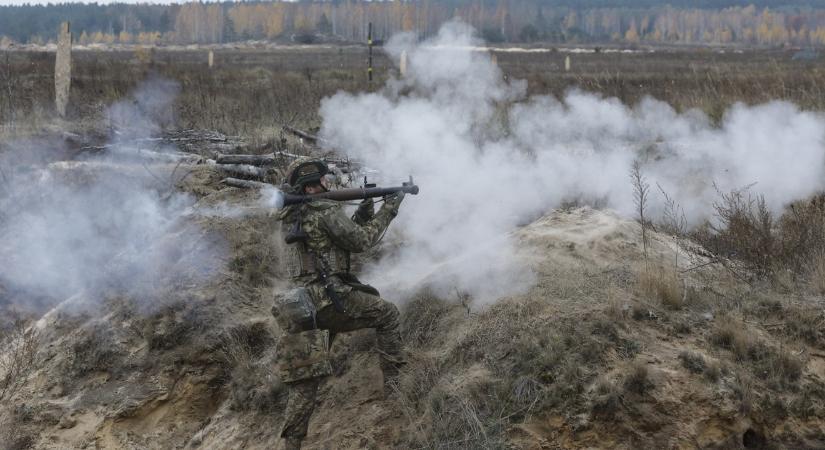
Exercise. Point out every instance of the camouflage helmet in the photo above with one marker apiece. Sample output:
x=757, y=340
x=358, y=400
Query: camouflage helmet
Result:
x=304, y=171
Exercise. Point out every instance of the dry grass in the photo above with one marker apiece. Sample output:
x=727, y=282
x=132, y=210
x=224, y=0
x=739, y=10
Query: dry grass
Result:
x=777, y=366
x=246, y=355
x=508, y=364
x=606, y=399
x=251, y=92
x=817, y=273
x=692, y=361
x=662, y=284
x=733, y=335
x=696, y=363
x=637, y=380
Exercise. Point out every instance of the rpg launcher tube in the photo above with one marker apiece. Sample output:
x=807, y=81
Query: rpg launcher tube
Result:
x=351, y=194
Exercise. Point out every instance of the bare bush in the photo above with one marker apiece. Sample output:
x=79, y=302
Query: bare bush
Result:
x=19, y=346
x=745, y=229
x=785, y=247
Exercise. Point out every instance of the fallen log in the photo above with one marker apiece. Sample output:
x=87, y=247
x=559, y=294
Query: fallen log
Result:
x=254, y=160
x=132, y=152
x=302, y=134
x=245, y=184
x=244, y=170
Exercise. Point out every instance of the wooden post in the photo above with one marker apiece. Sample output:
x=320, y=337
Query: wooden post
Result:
x=493, y=58
x=211, y=58
x=63, y=69
x=567, y=63
x=402, y=64
x=369, y=44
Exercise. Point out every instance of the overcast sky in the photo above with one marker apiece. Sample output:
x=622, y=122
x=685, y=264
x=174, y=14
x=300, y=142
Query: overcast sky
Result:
x=44, y=2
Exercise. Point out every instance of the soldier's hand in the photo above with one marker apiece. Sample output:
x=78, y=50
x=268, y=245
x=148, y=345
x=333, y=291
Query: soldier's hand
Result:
x=365, y=211
x=394, y=201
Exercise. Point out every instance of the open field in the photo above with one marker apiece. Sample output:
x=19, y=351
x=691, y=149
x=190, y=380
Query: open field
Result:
x=252, y=91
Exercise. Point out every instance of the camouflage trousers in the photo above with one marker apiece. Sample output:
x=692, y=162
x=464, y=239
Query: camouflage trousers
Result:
x=361, y=310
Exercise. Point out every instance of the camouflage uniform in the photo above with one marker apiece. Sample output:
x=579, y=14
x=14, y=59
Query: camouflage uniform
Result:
x=331, y=235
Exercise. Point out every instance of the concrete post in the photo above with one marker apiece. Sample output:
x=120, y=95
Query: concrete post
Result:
x=63, y=69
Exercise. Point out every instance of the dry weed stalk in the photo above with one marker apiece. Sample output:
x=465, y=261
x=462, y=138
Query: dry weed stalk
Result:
x=640, y=194
x=673, y=218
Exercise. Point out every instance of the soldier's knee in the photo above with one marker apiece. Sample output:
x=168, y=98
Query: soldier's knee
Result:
x=389, y=314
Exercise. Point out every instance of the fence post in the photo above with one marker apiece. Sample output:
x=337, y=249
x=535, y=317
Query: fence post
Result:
x=63, y=69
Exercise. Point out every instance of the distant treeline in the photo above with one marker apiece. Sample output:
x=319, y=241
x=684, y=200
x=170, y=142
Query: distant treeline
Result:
x=767, y=22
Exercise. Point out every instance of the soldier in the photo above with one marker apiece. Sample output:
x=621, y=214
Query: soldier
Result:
x=328, y=298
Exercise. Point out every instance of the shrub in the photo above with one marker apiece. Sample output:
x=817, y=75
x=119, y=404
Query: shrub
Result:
x=744, y=231
x=748, y=231
x=607, y=399
x=731, y=335
x=774, y=365
x=637, y=379
x=692, y=361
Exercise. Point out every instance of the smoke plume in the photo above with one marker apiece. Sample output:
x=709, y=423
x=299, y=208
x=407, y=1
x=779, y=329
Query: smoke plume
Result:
x=107, y=225
x=488, y=158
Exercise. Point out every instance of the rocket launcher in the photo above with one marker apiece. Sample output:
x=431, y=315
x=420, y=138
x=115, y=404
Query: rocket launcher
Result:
x=362, y=193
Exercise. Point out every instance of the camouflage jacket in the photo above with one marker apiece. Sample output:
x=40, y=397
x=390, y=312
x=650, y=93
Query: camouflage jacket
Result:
x=333, y=236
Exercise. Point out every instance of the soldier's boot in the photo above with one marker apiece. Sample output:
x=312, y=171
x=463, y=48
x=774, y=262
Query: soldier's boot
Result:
x=292, y=443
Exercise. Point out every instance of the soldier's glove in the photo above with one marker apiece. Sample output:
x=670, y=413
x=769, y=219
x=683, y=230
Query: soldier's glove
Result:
x=365, y=212
x=392, y=202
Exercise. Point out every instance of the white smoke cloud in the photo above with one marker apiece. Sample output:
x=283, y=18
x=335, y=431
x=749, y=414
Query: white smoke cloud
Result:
x=488, y=158
x=113, y=227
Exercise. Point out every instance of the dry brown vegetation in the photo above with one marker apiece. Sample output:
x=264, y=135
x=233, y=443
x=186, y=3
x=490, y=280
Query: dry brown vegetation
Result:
x=251, y=92
x=20, y=343
x=662, y=284
x=786, y=249
x=595, y=355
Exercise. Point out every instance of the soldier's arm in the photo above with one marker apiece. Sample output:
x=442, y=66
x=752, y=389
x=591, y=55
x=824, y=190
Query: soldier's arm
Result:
x=365, y=212
x=351, y=236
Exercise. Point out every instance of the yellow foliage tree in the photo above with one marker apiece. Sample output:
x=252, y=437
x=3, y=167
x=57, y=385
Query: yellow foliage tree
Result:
x=632, y=35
